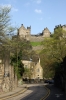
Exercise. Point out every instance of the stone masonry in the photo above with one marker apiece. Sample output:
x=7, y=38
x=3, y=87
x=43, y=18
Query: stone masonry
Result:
x=26, y=34
x=36, y=69
x=1, y=76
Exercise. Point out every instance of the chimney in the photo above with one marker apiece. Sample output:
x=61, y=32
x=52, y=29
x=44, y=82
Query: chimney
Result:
x=21, y=24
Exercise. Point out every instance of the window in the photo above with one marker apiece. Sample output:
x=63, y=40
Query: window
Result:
x=38, y=70
x=25, y=66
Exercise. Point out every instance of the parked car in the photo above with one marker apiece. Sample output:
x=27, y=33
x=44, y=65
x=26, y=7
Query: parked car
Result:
x=49, y=81
x=46, y=81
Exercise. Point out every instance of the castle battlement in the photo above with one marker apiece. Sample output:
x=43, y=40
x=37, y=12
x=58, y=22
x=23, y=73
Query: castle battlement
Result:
x=60, y=26
x=26, y=34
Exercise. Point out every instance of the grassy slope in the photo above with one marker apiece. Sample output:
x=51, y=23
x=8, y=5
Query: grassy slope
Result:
x=35, y=43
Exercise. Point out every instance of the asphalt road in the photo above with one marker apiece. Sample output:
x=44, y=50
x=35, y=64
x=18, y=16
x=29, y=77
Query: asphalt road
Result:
x=34, y=92
x=38, y=92
x=55, y=93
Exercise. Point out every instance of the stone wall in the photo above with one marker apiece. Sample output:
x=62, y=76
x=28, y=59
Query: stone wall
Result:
x=46, y=32
x=9, y=82
x=26, y=34
x=36, y=38
x=1, y=75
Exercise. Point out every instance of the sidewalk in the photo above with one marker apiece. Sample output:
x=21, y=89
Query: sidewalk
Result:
x=18, y=89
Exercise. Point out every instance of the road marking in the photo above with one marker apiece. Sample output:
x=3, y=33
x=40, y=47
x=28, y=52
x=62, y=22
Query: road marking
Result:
x=47, y=94
x=14, y=95
x=22, y=91
x=58, y=95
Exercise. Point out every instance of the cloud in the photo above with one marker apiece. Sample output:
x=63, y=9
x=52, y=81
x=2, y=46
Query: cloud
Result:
x=9, y=6
x=38, y=11
x=5, y=5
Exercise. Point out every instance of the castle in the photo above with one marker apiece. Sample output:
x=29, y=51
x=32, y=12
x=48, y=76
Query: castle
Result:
x=26, y=34
x=61, y=26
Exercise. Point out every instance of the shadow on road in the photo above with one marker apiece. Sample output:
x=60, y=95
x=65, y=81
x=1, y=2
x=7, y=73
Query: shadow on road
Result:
x=55, y=93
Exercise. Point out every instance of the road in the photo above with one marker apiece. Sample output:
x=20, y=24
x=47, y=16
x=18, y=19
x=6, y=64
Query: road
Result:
x=55, y=93
x=34, y=92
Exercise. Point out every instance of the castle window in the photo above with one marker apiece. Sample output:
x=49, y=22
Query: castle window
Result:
x=25, y=66
x=38, y=70
x=25, y=36
x=27, y=33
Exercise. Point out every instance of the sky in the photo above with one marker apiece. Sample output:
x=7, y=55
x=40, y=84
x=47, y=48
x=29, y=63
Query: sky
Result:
x=38, y=14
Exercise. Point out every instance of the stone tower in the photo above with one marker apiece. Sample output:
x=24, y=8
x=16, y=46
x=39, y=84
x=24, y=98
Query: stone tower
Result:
x=60, y=26
x=63, y=27
x=46, y=32
x=24, y=33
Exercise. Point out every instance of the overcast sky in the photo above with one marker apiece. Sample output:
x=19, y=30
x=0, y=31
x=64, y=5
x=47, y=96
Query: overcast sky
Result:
x=38, y=14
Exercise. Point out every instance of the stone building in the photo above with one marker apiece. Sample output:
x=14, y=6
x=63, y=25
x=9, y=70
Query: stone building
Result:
x=38, y=71
x=63, y=27
x=35, y=68
x=46, y=32
x=26, y=34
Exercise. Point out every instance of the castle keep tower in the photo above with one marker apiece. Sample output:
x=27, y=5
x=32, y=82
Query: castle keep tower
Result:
x=63, y=27
x=24, y=33
x=46, y=32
